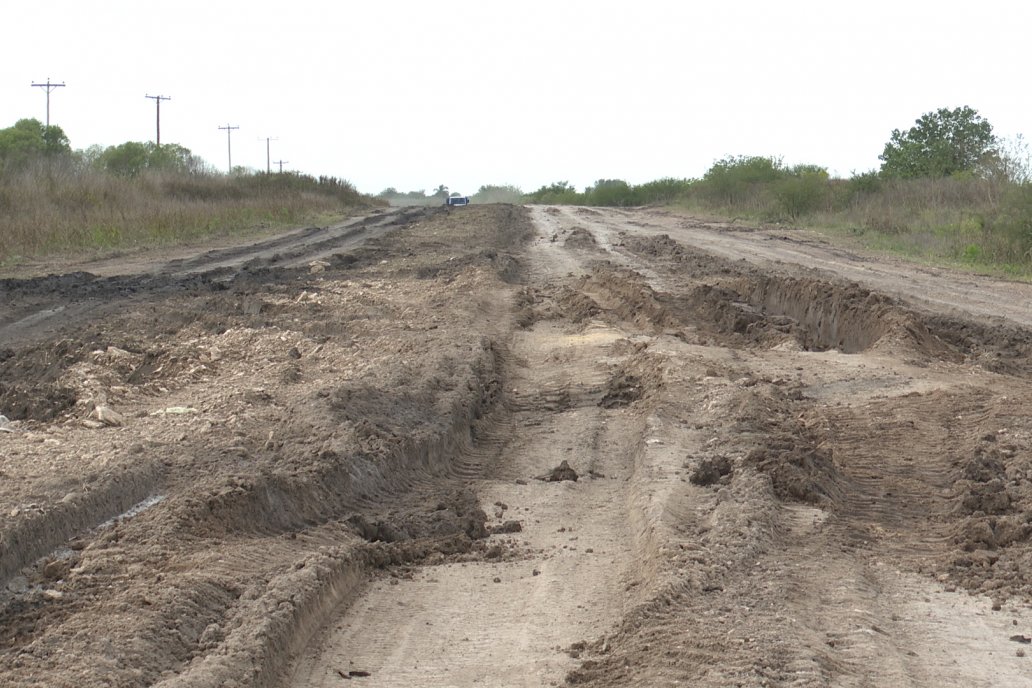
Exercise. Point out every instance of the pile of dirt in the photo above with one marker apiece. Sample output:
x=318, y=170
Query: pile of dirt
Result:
x=580, y=238
x=711, y=471
x=456, y=514
x=993, y=527
x=792, y=452
x=559, y=474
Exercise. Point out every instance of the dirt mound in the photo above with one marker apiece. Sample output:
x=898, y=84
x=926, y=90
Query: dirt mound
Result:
x=711, y=470
x=560, y=473
x=580, y=238
x=791, y=452
x=456, y=514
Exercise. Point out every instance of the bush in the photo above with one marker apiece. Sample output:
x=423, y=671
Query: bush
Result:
x=1008, y=231
x=498, y=194
x=732, y=180
x=802, y=190
x=610, y=192
x=558, y=193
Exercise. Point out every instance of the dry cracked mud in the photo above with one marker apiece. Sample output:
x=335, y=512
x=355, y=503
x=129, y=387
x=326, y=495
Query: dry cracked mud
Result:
x=314, y=460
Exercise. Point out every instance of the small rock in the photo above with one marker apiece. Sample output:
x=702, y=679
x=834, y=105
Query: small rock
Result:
x=18, y=584
x=497, y=579
x=108, y=416
x=52, y=595
x=507, y=527
x=1023, y=639
x=56, y=569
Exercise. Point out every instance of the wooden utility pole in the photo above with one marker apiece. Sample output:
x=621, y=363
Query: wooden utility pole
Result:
x=49, y=89
x=281, y=163
x=229, y=144
x=157, y=101
x=268, y=163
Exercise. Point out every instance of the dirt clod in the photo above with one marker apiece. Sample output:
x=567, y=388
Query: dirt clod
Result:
x=560, y=473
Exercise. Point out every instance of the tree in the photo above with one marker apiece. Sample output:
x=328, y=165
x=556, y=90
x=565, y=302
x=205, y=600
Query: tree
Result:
x=733, y=178
x=610, y=192
x=940, y=144
x=132, y=157
x=803, y=189
x=440, y=193
x=28, y=140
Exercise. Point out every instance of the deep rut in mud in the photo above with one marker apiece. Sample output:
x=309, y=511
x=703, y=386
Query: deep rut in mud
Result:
x=356, y=461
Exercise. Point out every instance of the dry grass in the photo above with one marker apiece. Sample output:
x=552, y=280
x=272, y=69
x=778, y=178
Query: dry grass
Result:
x=984, y=224
x=61, y=209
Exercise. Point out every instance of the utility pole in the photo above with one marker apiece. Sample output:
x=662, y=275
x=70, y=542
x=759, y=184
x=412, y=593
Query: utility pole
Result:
x=268, y=164
x=229, y=144
x=157, y=101
x=281, y=163
x=49, y=89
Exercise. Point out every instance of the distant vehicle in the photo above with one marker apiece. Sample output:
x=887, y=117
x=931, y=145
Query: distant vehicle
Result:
x=456, y=199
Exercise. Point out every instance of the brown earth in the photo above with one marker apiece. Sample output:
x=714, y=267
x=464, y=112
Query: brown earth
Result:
x=761, y=460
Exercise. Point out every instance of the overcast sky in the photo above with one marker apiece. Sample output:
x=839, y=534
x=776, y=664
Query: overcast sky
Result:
x=416, y=94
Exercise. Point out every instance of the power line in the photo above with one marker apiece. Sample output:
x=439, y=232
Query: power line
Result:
x=157, y=101
x=268, y=166
x=229, y=144
x=281, y=163
x=49, y=89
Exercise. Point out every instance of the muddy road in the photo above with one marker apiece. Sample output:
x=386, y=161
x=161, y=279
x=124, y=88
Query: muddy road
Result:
x=509, y=446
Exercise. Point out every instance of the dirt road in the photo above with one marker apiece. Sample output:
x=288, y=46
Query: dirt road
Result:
x=339, y=457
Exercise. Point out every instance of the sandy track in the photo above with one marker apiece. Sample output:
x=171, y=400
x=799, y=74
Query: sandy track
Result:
x=805, y=468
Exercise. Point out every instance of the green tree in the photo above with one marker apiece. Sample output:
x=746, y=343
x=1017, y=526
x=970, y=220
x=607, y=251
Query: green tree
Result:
x=610, y=192
x=940, y=144
x=30, y=140
x=803, y=189
x=556, y=193
x=132, y=157
x=127, y=159
x=733, y=178
x=492, y=193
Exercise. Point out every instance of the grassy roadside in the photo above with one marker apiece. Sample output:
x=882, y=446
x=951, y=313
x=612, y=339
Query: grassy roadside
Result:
x=58, y=210
x=966, y=224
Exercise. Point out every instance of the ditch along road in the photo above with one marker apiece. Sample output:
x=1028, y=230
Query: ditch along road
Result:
x=796, y=465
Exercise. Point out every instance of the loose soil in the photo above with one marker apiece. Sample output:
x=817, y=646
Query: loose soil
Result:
x=515, y=447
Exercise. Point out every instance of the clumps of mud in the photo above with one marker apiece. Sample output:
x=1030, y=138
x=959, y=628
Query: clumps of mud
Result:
x=31, y=379
x=791, y=452
x=712, y=471
x=992, y=502
x=621, y=390
x=456, y=514
x=562, y=472
x=580, y=238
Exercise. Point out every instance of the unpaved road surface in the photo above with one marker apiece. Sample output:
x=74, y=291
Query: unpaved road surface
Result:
x=337, y=458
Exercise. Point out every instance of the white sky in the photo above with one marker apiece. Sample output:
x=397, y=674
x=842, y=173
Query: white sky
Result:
x=415, y=94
